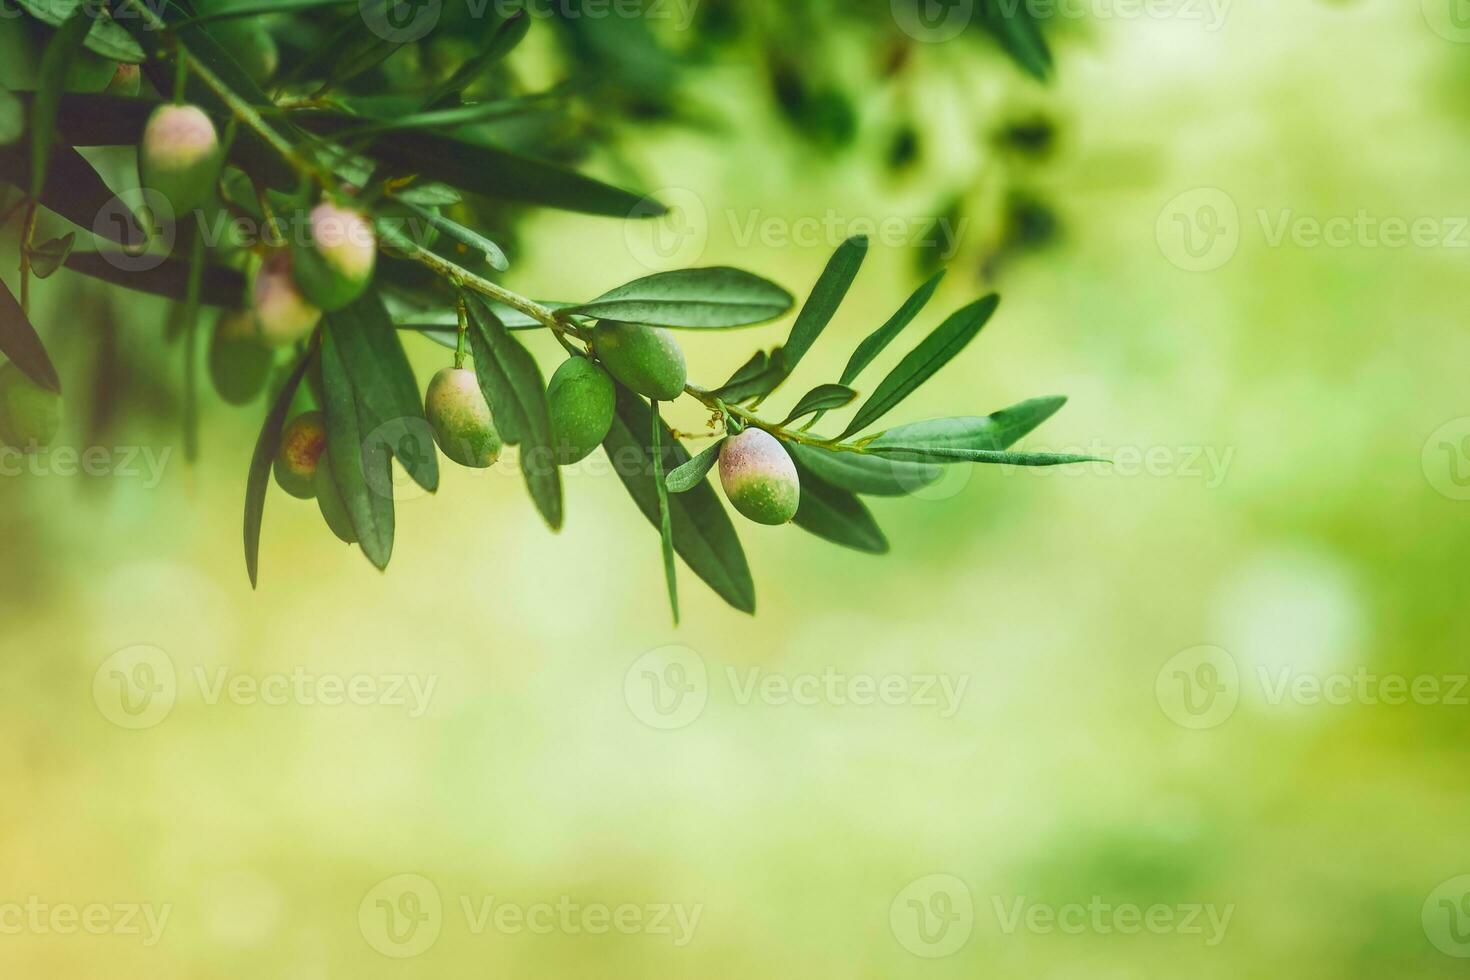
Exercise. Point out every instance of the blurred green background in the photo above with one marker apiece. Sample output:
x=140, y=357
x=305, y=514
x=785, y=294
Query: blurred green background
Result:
x=1289, y=420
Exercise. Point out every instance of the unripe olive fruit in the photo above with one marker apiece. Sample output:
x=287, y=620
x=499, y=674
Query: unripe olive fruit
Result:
x=759, y=477
x=336, y=264
x=250, y=44
x=127, y=79
x=180, y=156
x=282, y=315
x=329, y=501
x=239, y=363
x=303, y=442
x=646, y=359
x=582, y=398
x=460, y=417
x=29, y=414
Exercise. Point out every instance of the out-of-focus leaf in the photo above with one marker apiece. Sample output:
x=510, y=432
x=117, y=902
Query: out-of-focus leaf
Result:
x=692, y=474
x=20, y=342
x=703, y=534
x=826, y=296
x=513, y=387
x=351, y=458
x=60, y=52
x=12, y=118
x=936, y=350
x=715, y=298
x=384, y=384
x=837, y=515
x=823, y=398
x=1015, y=27
x=665, y=522
x=105, y=38
x=266, y=448
x=221, y=285
x=872, y=476
x=74, y=191
x=47, y=257
x=506, y=38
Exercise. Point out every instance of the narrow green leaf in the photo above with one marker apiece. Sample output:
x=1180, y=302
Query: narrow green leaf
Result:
x=20, y=342
x=714, y=298
x=385, y=385
x=220, y=286
x=74, y=191
x=823, y=398
x=106, y=37
x=746, y=385
x=61, y=51
x=12, y=117
x=266, y=448
x=872, y=476
x=465, y=236
x=997, y=431
x=692, y=474
x=47, y=257
x=947, y=454
x=948, y=339
x=750, y=369
x=351, y=459
x=827, y=295
x=876, y=342
x=513, y=386
x=1014, y=25
x=703, y=534
x=665, y=525
x=837, y=515
x=507, y=36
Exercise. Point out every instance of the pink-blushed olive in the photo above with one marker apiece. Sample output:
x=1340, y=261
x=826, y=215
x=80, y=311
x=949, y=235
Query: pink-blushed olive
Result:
x=282, y=315
x=335, y=264
x=759, y=477
x=180, y=156
x=460, y=417
x=303, y=442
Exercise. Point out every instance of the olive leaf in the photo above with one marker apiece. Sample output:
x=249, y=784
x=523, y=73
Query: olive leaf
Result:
x=73, y=190
x=692, y=474
x=220, y=285
x=47, y=257
x=665, y=522
x=105, y=38
x=702, y=532
x=714, y=298
x=821, y=399
x=507, y=36
x=871, y=476
x=936, y=350
x=516, y=392
x=876, y=342
x=352, y=458
x=999, y=430
x=20, y=342
x=836, y=515
x=828, y=293
x=266, y=448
